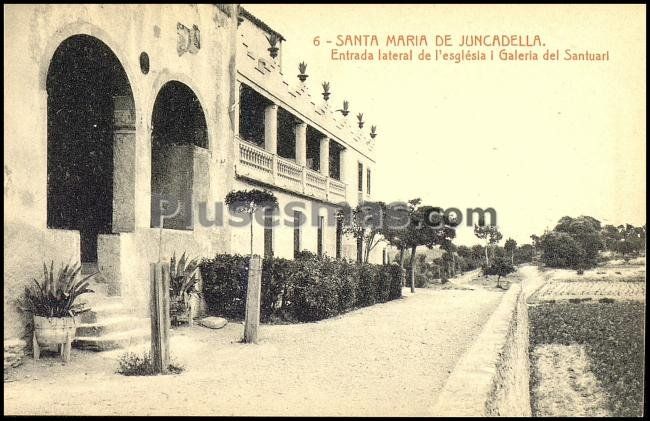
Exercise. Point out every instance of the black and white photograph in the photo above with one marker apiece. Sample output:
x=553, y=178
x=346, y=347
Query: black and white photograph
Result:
x=430, y=210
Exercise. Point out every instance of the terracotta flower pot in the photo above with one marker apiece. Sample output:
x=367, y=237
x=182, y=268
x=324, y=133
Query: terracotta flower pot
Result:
x=273, y=51
x=326, y=95
x=51, y=331
x=302, y=77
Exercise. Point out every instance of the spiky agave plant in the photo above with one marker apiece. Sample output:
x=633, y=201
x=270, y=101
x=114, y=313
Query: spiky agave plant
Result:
x=273, y=40
x=326, y=87
x=184, y=277
x=373, y=131
x=302, y=67
x=55, y=296
x=346, y=108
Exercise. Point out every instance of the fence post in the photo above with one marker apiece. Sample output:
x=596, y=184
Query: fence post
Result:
x=253, y=298
x=160, y=322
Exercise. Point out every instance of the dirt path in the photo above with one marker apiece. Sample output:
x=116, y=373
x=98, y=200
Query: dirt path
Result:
x=388, y=359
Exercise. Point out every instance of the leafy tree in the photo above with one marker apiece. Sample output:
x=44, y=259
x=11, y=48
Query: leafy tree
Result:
x=489, y=233
x=524, y=253
x=365, y=222
x=249, y=202
x=586, y=231
x=510, y=246
x=501, y=267
x=561, y=250
x=425, y=227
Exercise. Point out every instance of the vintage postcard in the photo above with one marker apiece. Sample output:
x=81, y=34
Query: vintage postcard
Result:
x=324, y=210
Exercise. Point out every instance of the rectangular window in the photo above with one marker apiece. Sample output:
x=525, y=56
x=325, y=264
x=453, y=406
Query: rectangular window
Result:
x=296, y=233
x=339, y=237
x=320, y=235
x=368, y=181
x=360, y=174
x=268, y=232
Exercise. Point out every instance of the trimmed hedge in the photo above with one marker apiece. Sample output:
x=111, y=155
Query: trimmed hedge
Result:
x=305, y=289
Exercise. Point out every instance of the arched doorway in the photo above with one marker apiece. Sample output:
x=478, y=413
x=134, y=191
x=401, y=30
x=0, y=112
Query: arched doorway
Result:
x=90, y=142
x=179, y=142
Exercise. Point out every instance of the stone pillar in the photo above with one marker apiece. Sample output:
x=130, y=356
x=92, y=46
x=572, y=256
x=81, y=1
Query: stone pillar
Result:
x=271, y=128
x=325, y=156
x=301, y=143
x=123, y=165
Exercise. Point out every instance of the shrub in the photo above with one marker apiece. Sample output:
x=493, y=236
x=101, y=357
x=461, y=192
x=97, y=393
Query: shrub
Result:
x=225, y=279
x=306, y=289
x=132, y=364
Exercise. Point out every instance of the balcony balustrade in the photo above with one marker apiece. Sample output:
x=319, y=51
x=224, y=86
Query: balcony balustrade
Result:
x=258, y=164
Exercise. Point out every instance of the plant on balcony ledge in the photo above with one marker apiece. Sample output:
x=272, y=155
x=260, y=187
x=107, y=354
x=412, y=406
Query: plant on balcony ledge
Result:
x=273, y=39
x=373, y=131
x=326, y=90
x=302, y=68
x=345, y=110
x=360, y=118
x=249, y=202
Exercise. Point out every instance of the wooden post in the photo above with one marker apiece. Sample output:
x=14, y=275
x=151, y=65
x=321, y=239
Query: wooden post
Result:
x=253, y=298
x=160, y=322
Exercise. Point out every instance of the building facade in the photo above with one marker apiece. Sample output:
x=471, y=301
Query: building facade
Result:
x=109, y=108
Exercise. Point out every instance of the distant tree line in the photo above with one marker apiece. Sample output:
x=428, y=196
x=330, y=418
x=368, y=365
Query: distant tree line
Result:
x=576, y=242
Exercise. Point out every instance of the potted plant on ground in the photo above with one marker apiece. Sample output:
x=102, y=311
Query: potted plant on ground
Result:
x=53, y=305
x=326, y=91
x=302, y=68
x=273, y=39
x=184, y=290
x=373, y=131
x=360, y=118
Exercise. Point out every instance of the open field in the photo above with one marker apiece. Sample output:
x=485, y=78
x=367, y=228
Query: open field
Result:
x=612, y=336
x=624, y=282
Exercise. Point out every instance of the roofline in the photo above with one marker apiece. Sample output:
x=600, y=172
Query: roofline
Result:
x=248, y=15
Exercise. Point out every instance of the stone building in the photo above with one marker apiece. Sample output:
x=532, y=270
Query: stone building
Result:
x=108, y=108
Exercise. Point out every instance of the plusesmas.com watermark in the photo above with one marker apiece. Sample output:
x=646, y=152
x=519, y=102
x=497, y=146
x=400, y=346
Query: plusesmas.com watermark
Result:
x=394, y=215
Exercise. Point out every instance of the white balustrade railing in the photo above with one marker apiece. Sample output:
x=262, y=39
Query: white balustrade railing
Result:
x=257, y=163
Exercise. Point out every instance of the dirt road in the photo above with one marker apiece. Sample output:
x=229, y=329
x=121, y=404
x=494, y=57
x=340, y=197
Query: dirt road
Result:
x=388, y=359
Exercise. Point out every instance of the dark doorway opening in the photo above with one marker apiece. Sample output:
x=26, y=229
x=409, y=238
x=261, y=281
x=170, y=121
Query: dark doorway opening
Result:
x=89, y=96
x=178, y=127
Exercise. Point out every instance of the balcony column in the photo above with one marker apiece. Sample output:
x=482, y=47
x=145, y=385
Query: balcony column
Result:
x=325, y=156
x=301, y=144
x=271, y=128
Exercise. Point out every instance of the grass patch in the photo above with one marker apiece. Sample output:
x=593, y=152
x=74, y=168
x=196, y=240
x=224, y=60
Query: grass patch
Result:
x=613, y=337
x=132, y=364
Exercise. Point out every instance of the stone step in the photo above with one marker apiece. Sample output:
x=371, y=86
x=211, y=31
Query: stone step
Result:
x=113, y=324
x=106, y=308
x=113, y=340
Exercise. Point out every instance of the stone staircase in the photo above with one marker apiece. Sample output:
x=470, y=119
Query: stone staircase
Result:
x=109, y=324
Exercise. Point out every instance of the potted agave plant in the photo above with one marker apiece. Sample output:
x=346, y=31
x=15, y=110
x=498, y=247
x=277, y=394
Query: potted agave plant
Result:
x=273, y=39
x=373, y=131
x=326, y=90
x=346, y=108
x=302, y=68
x=184, y=293
x=360, y=118
x=53, y=304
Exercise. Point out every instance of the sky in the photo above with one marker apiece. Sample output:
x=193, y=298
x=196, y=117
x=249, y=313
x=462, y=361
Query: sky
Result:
x=535, y=140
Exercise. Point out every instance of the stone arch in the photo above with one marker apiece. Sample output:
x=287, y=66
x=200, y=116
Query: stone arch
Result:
x=179, y=156
x=90, y=142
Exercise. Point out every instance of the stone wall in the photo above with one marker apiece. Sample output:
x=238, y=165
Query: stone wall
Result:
x=491, y=378
x=159, y=32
